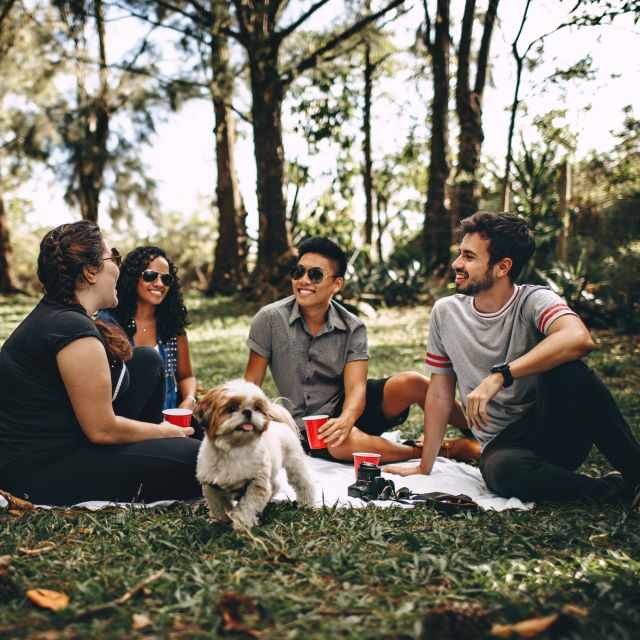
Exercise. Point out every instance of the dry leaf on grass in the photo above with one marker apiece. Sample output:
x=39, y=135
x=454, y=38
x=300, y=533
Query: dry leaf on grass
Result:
x=535, y=626
x=47, y=546
x=16, y=504
x=48, y=599
x=235, y=609
x=140, y=621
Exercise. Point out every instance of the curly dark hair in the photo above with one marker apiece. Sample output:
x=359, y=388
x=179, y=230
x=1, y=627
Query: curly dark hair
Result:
x=171, y=314
x=509, y=237
x=64, y=252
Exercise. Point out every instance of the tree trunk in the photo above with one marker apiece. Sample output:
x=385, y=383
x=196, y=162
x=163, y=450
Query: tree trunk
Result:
x=8, y=282
x=437, y=227
x=469, y=105
x=88, y=136
x=275, y=252
x=230, y=258
x=366, y=147
x=503, y=203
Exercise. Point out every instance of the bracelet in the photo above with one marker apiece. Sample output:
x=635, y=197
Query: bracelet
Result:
x=190, y=397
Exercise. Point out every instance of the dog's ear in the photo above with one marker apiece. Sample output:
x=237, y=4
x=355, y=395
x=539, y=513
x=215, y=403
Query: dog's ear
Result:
x=207, y=409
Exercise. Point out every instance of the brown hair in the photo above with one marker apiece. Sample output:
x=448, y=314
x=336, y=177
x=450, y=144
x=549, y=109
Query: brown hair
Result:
x=64, y=252
x=509, y=237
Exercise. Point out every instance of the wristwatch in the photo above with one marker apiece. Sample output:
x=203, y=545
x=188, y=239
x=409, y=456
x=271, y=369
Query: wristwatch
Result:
x=505, y=371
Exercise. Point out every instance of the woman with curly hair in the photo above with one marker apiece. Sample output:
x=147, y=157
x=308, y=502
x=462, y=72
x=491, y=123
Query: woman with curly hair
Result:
x=151, y=311
x=80, y=409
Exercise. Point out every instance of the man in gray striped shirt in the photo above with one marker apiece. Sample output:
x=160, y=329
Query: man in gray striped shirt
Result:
x=515, y=353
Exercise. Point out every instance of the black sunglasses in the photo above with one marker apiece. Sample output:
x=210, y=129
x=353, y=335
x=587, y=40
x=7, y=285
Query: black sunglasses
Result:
x=115, y=256
x=315, y=274
x=149, y=275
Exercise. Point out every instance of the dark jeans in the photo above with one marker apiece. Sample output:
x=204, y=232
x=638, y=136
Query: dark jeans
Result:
x=536, y=457
x=162, y=469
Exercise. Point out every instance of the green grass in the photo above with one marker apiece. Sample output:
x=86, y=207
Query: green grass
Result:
x=363, y=573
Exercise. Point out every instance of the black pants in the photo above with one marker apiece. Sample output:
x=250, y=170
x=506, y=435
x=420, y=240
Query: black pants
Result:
x=536, y=457
x=162, y=469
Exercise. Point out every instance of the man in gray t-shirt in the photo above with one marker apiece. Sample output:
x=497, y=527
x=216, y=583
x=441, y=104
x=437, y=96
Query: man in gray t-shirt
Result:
x=515, y=353
x=318, y=357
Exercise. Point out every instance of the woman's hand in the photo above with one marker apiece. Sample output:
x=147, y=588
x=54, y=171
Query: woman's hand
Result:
x=172, y=431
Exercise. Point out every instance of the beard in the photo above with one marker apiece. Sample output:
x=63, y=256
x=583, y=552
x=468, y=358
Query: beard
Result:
x=473, y=288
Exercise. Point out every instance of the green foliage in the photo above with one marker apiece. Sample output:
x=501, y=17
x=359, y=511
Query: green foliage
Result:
x=319, y=573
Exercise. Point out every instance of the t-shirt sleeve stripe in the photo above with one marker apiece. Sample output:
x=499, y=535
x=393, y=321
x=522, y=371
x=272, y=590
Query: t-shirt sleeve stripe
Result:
x=441, y=362
x=551, y=313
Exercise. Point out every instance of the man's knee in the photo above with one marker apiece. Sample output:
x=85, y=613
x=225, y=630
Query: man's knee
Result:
x=507, y=471
x=570, y=375
x=409, y=384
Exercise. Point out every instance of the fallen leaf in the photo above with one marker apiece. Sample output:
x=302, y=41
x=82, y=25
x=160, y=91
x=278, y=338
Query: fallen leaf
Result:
x=33, y=552
x=572, y=610
x=16, y=503
x=48, y=599
x=140, y=621
x=526, y=628
x=235, y=609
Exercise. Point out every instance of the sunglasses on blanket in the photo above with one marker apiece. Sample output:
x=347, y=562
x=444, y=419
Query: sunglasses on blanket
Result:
x=315, y=274
x=149, y=275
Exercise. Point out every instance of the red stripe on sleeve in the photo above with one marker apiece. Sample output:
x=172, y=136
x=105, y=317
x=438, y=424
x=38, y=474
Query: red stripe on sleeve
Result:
x=547, y=314
x=441, y=362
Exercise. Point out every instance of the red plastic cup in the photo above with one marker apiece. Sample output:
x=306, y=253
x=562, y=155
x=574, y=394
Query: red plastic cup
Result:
x=312, y=424
x=358, y=458
x=179, y=417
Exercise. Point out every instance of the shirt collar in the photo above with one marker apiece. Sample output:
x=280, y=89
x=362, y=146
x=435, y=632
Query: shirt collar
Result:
x=333, y=321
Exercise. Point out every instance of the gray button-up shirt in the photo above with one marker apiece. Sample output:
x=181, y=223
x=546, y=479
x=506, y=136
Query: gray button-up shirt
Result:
x=308, y=370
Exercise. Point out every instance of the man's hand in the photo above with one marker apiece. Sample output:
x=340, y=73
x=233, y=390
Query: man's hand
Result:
x=480, y=397
x=404, y=471
x=335, y=430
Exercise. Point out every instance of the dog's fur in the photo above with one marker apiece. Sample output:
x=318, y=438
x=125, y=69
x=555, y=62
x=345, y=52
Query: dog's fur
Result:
x=247, y=441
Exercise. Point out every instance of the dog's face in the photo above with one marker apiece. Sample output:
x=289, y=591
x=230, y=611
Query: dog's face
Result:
x=236, y=412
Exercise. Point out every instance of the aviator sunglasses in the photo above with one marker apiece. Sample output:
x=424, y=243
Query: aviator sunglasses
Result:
x=149, y=275
x=115, y=256
x=315, y=274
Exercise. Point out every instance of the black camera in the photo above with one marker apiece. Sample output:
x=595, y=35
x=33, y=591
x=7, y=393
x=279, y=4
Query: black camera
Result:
x=370, y=485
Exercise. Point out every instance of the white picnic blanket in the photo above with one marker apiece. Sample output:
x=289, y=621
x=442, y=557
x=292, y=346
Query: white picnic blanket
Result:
x=448, y=476
x=333, y=478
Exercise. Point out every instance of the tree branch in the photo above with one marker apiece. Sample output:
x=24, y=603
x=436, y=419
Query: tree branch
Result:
x=485, y=44
x=5, y=11
x=281, y=35
x=312, y=59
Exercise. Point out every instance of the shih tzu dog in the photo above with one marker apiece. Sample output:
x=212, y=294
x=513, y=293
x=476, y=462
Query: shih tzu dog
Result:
x=247, y=441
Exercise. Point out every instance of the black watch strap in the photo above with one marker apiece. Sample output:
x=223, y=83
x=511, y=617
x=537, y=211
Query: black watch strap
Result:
x=505, y=371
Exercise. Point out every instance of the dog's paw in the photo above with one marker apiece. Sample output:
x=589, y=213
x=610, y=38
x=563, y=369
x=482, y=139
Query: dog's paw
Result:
x=243, y=521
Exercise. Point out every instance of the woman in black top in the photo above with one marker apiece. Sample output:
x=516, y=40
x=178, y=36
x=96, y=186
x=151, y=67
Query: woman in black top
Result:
x=76, y=422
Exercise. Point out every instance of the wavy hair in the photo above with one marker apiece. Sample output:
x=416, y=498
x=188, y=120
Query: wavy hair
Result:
x=64, y=252
x=171, y=314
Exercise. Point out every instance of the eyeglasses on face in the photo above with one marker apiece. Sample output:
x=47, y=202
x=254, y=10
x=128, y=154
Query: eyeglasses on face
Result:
x=149, y=275
x=315, y=274
x=115, y=256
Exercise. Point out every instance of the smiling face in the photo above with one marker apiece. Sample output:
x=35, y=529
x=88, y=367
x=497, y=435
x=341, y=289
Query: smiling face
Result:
x=154, y=292
x=473, y=273
x=309, y=294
